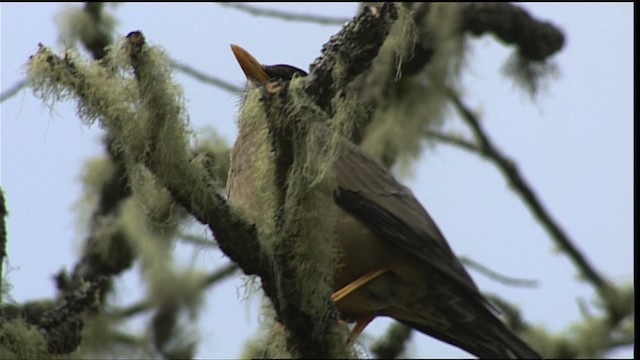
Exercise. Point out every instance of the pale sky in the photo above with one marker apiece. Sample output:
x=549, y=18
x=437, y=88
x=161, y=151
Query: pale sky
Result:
x=574, y=145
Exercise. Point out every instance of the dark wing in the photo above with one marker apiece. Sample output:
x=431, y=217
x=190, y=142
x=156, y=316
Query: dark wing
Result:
x=371, y=193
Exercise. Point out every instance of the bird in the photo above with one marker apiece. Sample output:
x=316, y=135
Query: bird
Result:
x=395, y=261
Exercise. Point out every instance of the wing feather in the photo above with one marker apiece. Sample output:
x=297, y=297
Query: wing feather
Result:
x=371, y=193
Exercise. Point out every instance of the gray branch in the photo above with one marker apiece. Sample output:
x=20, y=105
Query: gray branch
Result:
x=287, y=16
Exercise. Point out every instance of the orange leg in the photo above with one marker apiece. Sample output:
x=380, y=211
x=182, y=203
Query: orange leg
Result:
x=348, y=289
x=359, y=327
x=363, y=321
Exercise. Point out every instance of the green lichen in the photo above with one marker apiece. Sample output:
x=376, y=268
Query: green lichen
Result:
x=409, y=106
x=76, y=24
x=295, y=223
x=19, y=340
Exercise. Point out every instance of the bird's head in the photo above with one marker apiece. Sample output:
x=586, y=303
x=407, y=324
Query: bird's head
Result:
x=258, y=74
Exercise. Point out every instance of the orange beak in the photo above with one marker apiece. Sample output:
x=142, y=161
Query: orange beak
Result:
x=251, y=67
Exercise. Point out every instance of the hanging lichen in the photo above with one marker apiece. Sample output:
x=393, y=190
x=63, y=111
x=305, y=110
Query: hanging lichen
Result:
x=287, y=154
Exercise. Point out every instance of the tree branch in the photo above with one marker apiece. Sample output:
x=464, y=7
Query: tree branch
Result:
x=520, y=186
x=310, y=326
x=185, y=177
x=97, y=44
x=196, y=240
x=14, y=89
x=308, y=18
x=105, y=252
x=207, y=79
x=536, y=40
x=454, y=140
x=353, y=49
x=303, y=257
x=216, y=276
x=496, y=276
x=61, y=322
x=393, y=343
x=3, y=239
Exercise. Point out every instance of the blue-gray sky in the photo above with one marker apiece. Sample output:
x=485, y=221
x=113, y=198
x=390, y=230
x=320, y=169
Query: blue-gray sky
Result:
x=574, y=145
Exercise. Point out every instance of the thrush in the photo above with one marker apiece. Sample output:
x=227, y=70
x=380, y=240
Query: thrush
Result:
x=394, y=260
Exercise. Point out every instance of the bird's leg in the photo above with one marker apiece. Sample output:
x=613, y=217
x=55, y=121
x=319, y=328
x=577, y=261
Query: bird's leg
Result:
x=351, y=287
x=362, y=323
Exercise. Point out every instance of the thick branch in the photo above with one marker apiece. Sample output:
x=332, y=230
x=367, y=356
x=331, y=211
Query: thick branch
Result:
x=98, y=259
x=237, y=239
x=536, y=40
x=98, y=43
x=300, y=271
x=352, y=49
x=185, y=176
x=106, y=252
x=61, y=323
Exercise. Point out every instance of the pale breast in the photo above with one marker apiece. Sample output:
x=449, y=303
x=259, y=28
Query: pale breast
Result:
x=361, y=251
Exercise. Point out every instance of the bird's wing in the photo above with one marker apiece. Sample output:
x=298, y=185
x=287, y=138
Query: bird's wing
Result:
x=369, y=192
x=389, y=209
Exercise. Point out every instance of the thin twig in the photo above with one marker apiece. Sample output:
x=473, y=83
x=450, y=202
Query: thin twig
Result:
x=207, y=79
x=218, y=275
x=454, y=141
x=287, y=16
x=520, y=186
x=495, y=275
x=3, y=237
x=196, y=240
x=14, y=89
x=131, y=310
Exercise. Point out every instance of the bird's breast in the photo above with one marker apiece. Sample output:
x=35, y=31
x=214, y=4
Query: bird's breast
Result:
x=360, y=250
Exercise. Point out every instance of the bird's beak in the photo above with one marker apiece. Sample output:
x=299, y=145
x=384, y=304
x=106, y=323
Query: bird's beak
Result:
x=251, y=67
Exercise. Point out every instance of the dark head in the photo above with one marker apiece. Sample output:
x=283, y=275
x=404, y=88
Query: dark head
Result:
x=257, y=73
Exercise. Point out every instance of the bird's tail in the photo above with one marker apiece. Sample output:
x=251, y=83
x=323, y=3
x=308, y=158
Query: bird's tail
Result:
x=488, y=340
x=516, y=347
